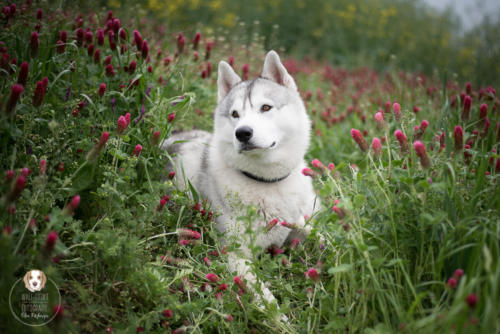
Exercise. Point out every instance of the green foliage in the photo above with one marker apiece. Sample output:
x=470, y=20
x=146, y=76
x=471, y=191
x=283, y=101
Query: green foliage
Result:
x=350, y=33
x=121, y=259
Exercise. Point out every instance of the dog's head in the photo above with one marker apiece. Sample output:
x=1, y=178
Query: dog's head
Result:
x=34, y=280
x=261, y=125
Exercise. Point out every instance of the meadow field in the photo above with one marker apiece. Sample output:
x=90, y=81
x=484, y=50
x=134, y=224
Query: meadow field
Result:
x=405, y=163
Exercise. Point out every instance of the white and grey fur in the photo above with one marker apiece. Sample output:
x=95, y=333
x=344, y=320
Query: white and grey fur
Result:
x=264, y=171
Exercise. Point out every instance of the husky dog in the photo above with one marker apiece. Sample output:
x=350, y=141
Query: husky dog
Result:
x=255, y=157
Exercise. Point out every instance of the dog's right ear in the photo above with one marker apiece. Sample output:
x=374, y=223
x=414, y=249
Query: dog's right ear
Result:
x=226, y=80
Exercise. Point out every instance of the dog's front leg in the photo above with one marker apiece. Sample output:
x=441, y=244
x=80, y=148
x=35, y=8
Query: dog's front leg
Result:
x=239, y=265
x=302, y=232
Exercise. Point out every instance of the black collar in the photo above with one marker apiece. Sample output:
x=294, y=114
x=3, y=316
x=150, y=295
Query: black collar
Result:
x=261, y=179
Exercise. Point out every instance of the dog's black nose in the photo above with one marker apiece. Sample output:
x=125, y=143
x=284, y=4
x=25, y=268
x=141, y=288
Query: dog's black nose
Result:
x=35, y=283
x=244, y=133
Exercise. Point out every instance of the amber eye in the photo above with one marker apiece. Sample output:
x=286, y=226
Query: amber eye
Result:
x=235, y=114
x=265, y=107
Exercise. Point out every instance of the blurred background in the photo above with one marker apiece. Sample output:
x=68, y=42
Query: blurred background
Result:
x=458, y=37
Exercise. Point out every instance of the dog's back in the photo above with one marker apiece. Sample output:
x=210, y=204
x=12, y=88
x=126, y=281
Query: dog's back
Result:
x=190, y=152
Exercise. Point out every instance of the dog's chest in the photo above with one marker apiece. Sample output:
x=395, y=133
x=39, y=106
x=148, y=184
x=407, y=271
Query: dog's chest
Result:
x=288, y=200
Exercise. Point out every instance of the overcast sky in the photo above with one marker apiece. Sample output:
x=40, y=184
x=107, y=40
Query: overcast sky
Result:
x=470, y=11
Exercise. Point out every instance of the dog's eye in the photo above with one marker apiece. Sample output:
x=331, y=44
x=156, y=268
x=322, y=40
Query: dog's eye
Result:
x=235, y=114
x=266, y=107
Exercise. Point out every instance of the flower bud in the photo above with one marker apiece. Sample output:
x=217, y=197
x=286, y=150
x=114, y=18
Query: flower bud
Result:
x=376, y=147
x=422, y=154
x=34, y=44
x=102, y=89
x=245, y=69
x=196, y=40
x=181, y=41
x=137, y=150
x=156, y=138
x=458, y=133
x=15, y=94
x=97, y=56
x=471, y=300
x=212, y=277
x=312, y=273
x=466, y=108
x=403, y=141
x=40, y=89
x=145, y=49
x=483, y=111
x=132, y=66
x=138, y=39
x=22, y=77
x=359, y=139
x=396, y=107
x=51, y=240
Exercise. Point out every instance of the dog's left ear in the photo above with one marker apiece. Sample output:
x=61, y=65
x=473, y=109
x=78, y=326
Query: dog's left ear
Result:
x=274, y=70
x=44, y=279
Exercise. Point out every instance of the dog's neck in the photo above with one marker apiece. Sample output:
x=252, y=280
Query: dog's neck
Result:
x=262, y=179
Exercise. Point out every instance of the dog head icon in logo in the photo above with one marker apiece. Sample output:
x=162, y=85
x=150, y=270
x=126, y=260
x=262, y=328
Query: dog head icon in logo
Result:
x=34, y=280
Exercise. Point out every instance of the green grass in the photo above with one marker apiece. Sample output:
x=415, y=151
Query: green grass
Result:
x=117, y=261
